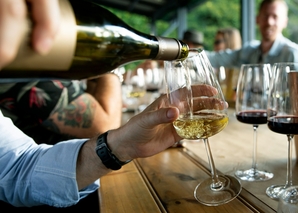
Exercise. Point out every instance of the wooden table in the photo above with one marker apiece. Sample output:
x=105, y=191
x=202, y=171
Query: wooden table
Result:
x=165, y=182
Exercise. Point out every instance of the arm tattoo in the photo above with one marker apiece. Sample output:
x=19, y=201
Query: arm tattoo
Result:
x=79, y=113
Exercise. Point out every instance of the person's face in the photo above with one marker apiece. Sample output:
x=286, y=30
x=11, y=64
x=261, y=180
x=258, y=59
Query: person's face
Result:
x=272, y=19
x=219, y=43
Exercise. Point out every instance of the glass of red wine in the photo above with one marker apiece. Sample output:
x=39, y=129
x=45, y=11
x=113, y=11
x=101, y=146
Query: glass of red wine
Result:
x=193, y=88
x=251, y=108
x=282, y=114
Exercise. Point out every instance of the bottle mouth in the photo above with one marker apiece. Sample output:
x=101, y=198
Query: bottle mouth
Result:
x=194, y=51
x=184, y=50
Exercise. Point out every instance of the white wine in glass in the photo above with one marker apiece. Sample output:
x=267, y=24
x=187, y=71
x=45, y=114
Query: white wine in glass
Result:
x=193, y=88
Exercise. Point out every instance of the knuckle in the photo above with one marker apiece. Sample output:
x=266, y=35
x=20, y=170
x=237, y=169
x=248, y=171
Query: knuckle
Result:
x=17, y=10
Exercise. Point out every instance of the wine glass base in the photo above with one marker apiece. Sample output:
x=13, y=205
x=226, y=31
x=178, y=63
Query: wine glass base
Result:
x=230, y=189
x=275, y=191
x=253, y=175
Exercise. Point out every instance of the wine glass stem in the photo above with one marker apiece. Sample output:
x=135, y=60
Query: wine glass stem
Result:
x=289, y=163
x=254, y=151
x=136, y=107
x=216, y=183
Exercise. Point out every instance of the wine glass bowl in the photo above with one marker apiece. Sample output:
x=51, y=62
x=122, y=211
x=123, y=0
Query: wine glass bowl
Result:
x=134, y=89
x=154, y=75
x=251, y=108
x=282, y=112
x=193, y=88
x=154, y=78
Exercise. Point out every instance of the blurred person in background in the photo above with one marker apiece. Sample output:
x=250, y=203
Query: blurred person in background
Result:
x=227, y=38
x=193, y=38
x=273, y=47
x=54, y=110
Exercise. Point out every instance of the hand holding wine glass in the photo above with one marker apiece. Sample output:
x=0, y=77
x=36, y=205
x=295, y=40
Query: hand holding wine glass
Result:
x=251, y=108
x=282, y=114
x=202, y=115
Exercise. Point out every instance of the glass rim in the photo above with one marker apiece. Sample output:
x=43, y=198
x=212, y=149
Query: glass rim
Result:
x=283, y=63
x=256, y=64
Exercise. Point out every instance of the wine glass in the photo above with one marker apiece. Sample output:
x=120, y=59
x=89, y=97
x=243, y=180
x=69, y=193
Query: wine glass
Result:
x=202, y=115
x=282, y=113
x=154, y=77
x=251, y=108
x=134, y=89
x=288, y=200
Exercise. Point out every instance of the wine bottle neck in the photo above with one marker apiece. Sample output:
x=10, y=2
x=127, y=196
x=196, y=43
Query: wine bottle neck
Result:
x=170, y=49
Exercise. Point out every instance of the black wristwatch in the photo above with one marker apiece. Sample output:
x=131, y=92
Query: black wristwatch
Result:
x=106, y=155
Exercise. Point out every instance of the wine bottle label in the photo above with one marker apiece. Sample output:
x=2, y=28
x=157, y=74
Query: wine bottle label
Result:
x=61, y=55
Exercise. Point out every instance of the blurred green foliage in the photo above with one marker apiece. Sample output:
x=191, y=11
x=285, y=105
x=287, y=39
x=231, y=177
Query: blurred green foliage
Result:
x=212, y=15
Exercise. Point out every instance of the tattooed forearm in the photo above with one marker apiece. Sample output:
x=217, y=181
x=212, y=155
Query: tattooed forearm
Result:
x=79, y=113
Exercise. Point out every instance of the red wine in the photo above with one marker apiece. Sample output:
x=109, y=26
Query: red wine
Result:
x=284, y=124
x=252, y=116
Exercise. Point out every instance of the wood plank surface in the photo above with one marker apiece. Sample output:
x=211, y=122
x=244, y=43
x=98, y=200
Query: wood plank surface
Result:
x=125, y=191
x=174, y=178
x=245, y=196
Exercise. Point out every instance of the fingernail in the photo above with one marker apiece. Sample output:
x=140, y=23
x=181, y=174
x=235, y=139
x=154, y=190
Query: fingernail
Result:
x=43, y=45
x=171, y=113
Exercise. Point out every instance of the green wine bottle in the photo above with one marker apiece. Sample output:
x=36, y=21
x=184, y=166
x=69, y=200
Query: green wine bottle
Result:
x=91, y=41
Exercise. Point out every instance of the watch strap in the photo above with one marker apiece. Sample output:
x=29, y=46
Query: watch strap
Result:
x=106, y=155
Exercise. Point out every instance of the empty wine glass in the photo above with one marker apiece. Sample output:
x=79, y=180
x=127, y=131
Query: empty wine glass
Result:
x=203, y=113
x=251, y=108
x=282, y=113
x=154, y=77
x=134, y=89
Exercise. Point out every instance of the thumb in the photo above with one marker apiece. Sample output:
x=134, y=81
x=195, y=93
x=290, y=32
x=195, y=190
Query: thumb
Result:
x=160, y=116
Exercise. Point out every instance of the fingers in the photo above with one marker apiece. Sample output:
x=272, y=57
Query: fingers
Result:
x=203, y=90
x=197, y=90
x=209, y=103
x=12, y=23
x=160, y=116
x=46, y=18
